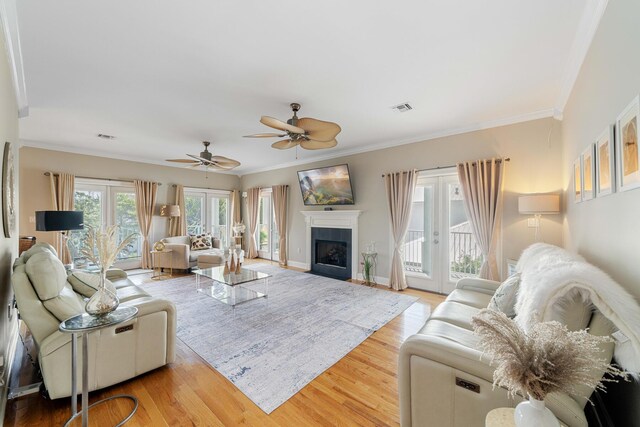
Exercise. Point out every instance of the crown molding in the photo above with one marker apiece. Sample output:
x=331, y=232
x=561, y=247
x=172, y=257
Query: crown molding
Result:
x=594, y=9
x=98, y=153
x=9, y=23
x=536, y=115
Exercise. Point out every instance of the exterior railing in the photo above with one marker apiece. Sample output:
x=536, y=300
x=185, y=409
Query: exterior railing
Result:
x=465, y=256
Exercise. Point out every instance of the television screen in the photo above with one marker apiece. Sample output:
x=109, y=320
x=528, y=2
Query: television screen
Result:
x=326, y=186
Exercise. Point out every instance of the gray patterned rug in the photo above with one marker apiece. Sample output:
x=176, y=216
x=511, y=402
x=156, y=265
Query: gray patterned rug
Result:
x=271, y=348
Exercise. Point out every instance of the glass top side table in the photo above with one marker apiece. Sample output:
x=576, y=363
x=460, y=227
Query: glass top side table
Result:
x=83, y=324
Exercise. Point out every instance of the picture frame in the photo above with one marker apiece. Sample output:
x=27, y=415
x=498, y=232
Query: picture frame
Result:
x=577, y=180
x=8, y=191
x=605, y=162
x=627, y=152
x=588, y=173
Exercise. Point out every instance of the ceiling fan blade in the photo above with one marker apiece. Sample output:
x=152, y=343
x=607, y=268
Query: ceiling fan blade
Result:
x=279, y=124
x=318, y=145
x=181, y=160
x=193, y=166
x=284, y=144
x=199, y=159
x=266, y=135
x=225, y=161
x=319, y=130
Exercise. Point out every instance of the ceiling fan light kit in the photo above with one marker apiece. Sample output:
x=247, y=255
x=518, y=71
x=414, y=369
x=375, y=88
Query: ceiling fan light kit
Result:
x=308, y=133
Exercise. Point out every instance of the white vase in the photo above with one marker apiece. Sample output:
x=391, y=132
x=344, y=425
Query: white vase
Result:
x=534, y=413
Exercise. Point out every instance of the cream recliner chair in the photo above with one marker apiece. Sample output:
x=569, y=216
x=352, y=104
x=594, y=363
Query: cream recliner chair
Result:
x=45, y=298
x=444, y=382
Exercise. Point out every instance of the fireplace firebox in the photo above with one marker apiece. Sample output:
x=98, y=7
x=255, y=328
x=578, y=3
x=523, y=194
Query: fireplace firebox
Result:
x=331, y=252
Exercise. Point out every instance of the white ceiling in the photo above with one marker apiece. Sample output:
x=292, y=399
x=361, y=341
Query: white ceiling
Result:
x=164, y=75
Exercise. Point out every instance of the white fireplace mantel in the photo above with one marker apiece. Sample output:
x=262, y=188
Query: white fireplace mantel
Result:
x=334, y=219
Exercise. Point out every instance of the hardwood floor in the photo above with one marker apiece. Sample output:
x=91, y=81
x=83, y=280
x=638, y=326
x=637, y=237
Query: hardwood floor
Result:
x=359, y=390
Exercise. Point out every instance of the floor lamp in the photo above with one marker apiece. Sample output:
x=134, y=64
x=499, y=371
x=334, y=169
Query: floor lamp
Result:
x=538, y=205
x=172, y=212
x=62, y=221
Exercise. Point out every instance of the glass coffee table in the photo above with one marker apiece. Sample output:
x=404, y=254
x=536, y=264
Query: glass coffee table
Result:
x=231, y=288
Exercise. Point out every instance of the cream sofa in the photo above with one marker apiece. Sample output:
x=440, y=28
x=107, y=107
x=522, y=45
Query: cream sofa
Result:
x=443, y=381
x=44, y=297
x=184, y=258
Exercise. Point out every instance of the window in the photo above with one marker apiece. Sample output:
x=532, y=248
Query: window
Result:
x=267, y=232
x=106, y=203
x=208, y=211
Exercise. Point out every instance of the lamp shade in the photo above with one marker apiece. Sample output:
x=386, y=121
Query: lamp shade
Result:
x=539, y=204
x=170, y=210
x=59, y=220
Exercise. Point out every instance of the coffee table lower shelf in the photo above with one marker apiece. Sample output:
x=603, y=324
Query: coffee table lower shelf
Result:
x=231, y=295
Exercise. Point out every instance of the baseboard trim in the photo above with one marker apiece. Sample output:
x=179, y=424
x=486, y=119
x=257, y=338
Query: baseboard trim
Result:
x=384, y=281
x=297, y=264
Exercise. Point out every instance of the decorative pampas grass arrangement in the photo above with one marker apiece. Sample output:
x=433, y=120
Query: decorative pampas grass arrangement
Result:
x=548, y=359
x=102, y=249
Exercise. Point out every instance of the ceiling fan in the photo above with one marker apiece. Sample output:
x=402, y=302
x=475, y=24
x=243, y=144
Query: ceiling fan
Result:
x=310, y=134
x=206, y=159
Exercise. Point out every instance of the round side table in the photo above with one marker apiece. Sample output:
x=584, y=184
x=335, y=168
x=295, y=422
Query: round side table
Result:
x=157, y=271
x=83, y=324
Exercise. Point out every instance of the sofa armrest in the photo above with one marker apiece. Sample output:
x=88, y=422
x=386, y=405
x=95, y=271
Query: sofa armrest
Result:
x=484, y=286
x=215, y=243
x=179, y=256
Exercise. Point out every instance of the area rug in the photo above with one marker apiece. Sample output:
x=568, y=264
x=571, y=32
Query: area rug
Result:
x=271, y=348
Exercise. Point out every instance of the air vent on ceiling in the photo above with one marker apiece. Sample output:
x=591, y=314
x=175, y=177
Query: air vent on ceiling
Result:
x=105, y=136
x=402, y=108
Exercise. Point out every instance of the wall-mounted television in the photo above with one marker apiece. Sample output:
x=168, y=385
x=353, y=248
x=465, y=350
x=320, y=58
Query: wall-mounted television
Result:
x=326, y=186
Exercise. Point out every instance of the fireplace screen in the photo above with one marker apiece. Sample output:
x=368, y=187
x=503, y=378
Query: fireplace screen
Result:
x=331, y=253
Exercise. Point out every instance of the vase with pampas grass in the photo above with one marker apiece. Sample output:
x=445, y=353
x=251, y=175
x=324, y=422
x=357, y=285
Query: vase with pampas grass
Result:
x=548, y=358
x=102, y=248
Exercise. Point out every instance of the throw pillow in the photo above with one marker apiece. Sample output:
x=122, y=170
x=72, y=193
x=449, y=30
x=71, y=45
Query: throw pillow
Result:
x=504, y=299
x=201, y=241
x=87, y=283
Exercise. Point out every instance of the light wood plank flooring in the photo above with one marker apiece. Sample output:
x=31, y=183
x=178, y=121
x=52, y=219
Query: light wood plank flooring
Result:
x=360, y=390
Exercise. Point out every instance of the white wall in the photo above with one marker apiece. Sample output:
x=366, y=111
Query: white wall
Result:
x=605, y=230
x=8, y=246
x=535, y=167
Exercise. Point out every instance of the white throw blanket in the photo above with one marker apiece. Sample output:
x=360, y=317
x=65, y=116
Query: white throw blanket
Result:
x=550, y=273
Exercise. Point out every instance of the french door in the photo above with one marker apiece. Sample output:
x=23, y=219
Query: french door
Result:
x=104, y=205
x=439, y=248
x=267, y=232
x=208, y=211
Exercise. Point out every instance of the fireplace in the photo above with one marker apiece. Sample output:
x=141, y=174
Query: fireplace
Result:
x=331, y=252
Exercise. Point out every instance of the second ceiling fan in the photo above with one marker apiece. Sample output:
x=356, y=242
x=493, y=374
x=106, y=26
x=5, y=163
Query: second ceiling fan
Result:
x=308, y=133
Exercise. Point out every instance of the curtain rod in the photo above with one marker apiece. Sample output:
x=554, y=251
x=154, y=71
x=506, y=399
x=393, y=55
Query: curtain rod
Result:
x=103, y=179
x=202, y=188
x=451, y=166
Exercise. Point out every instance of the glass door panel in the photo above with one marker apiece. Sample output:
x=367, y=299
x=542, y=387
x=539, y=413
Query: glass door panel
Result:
x=126, y=218
x=92, y=203
x=220, y=219
x=194, y=206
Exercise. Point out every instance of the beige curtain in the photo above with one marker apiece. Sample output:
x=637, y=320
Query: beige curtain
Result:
x=179, y=224
x=279, y=194
x=145, y=203
x=62, y=199
x=236, y=211
x=253, y=204
x=481, y=183
x=400, y=187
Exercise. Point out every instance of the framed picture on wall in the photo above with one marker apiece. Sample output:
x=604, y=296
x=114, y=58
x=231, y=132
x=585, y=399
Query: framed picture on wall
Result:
x=627, y=153
x=577, y=180
x=605, y=162
x=8, y=191
x=588, y=173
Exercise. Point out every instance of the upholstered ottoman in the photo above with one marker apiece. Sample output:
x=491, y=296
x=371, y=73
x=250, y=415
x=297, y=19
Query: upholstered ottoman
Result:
x=209, y=260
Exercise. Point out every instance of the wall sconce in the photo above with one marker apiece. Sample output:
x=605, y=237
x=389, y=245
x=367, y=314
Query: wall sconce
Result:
x=538, y=205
